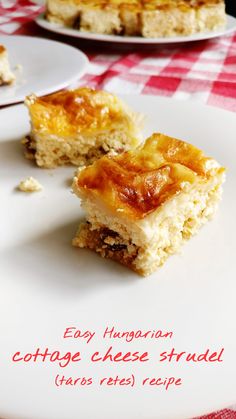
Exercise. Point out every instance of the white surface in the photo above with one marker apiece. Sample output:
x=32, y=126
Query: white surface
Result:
x=47, y=66
x=46, y=286
x=54, y=27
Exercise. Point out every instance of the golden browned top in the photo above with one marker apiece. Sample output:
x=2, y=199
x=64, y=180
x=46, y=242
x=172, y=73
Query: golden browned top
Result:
x=137, y=182
x=70, y=112
x=182, y=4
x=2, y=49
x=104, y=4
x=145, y=4
x=117, y=5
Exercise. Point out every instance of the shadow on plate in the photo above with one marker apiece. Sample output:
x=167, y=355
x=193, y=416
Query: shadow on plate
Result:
x=12, y=154
x=52, y=261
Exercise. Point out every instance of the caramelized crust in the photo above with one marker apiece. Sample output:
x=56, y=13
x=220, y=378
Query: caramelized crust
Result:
x=137, y=182
x=70, y=112
x=2, y=49
x=142, y=4
x=184, y=4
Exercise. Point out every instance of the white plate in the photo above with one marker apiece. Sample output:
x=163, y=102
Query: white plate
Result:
x=54, y=27
x=46, y=286
x=47, y=66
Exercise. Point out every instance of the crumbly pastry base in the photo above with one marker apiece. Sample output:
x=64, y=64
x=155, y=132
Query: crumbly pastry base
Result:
x=51, y=151
x=141, y=18
x=175, y=222
x=107, y=243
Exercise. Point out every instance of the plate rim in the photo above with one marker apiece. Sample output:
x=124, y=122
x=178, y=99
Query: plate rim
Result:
x=62, y=30
x=44, y=91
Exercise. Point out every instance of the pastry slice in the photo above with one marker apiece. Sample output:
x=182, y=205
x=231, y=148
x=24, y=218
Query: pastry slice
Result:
x=210, y=15
x=143, y=204
x=112, y=17
x=165, y=18
x=130, y=15
x=100, y=17
x=6, y=76
x=65, y=12
x=148, y=18
x=79, y=126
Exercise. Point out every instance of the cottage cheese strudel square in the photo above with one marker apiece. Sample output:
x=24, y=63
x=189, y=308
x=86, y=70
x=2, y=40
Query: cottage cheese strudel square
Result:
x=143, y=204
x=79, y=126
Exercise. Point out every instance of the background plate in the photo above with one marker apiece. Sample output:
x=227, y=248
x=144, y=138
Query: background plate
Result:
x=230, y=27
x=47, y=66
x=46, y=286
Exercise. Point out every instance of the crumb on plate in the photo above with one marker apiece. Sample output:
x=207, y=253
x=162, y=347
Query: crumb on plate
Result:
x=30, y=184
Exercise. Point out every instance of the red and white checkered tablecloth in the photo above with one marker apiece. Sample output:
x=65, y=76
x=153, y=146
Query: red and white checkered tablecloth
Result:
x=204, y=71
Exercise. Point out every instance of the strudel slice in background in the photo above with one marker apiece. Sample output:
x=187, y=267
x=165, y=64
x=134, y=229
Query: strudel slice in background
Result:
x=113, y=17
x=98, y=16
x=6, y=76
x=79, y=126
x=165, y=18
x=147, y=18
x=143, y=204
